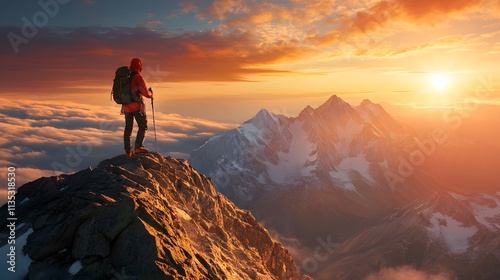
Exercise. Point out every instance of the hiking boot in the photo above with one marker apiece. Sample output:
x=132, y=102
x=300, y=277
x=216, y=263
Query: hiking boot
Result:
x=140, y=149
x=129, y=153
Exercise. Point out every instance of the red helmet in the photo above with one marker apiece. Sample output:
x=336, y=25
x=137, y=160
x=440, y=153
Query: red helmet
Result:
x=136, y=65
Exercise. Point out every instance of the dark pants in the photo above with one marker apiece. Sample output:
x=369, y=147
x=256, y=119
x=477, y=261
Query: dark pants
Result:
x=142, y=121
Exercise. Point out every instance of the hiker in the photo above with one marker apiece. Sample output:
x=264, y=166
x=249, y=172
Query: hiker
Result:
x=137, y=110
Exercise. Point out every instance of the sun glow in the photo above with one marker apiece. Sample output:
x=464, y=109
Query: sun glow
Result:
x=440, y=82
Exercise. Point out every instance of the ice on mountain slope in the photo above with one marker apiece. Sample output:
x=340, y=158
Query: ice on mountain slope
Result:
x=485, y=207
x=75, y=268
x=297, y=161
x=487, y=211
x=251, y=132
x=452, y=232
x=347, y=133
x=339, y=175
x=23, y=260
x=343, y=175
x=264, y=119
x=325, y=143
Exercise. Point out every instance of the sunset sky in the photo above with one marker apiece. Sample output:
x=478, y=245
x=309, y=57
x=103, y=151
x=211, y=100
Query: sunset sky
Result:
x=216, y=63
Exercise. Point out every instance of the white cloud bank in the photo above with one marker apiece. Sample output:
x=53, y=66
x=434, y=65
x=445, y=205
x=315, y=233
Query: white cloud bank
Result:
x=44, y=139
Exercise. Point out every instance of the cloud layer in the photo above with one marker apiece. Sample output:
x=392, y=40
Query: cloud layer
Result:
x=406, y=273
x=45, y=139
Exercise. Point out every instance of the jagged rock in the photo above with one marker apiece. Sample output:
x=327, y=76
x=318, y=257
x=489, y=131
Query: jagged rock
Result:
x=90, y=242
x=135, y=244
x=145, y=217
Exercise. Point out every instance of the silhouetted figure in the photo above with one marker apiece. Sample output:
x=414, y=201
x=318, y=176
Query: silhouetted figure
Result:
x=137, y=110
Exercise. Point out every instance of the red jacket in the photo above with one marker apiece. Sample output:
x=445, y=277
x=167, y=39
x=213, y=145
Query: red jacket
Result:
x=137, y=86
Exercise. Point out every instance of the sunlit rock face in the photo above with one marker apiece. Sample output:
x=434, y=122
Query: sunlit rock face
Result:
x=145, y=217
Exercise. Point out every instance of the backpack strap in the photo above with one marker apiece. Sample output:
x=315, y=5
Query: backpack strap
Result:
x=132, y=74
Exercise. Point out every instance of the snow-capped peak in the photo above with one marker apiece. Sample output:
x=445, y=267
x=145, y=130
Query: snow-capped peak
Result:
x=338, y=162
x=263, y=119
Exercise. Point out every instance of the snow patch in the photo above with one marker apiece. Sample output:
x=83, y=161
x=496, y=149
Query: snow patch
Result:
x=235, y=165
x=22, y=261
x=485, y=207
x=458, y=196
x=297, y=162
x=358, y=163
x=251, y=132
x=262, y=179
x=20, y=226
x=488, y=212
x=348, y=132
x=75, y=267
x=452, y=232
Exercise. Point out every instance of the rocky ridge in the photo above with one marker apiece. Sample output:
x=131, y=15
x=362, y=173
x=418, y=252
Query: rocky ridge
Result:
x=146, y=217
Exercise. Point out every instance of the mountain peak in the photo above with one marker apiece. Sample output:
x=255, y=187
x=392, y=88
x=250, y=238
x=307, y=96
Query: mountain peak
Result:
x=368, y=109
x=308, y=111
x=145, y=217
x=263, y=119
x=367, y=102
x=263, y=113
x=335, y=100
x=335, y=106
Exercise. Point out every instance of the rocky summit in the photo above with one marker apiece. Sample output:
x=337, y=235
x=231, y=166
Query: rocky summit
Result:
x=145, y=217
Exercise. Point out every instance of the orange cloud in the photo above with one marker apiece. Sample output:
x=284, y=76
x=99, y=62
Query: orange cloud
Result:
x=425, y=10
x=383, y=13
x=152, y=23
x=409, y=273
x=61, y=61
x=251, y=38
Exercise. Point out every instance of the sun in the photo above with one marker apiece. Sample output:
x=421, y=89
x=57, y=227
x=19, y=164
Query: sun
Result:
x=440, y=82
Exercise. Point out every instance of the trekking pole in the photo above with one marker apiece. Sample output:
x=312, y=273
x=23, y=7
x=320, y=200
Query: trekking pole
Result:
x=154, y=123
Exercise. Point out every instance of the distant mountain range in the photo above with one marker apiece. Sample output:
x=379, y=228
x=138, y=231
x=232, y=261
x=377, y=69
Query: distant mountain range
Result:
x=354, y=178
